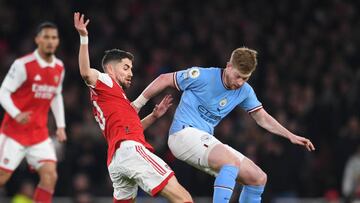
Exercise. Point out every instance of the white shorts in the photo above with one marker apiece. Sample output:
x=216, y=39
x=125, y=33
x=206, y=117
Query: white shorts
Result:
x=133, y=165
x=12, y=153
x=193, y=146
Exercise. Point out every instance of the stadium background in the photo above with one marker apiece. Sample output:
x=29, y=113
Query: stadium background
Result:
x=308, y=78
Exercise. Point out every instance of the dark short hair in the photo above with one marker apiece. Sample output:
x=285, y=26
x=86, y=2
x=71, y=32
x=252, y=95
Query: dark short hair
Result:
x=115, y=55
x=44, y=25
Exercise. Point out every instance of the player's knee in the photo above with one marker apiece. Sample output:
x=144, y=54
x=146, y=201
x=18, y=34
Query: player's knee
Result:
x=176, y=192
x=187, y=197
x=49, y=177
x=2, y=182
x=261, y=178
x=4, y=177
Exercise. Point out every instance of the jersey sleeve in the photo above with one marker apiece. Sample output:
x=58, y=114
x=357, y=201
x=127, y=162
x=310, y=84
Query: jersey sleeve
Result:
x=15, y=77
x=189, y=79
x=59, y=89
x=103, y=78
x=250, y=103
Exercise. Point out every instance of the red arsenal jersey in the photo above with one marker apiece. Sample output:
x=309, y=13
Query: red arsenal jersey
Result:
x=33, y=84
x=116, y=117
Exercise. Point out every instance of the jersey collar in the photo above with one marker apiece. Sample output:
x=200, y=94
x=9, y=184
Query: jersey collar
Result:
x=222, y=76
x=42, y=62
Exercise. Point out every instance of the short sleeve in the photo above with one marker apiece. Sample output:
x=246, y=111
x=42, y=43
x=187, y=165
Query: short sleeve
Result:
x=250, y=103
x=15, y=77
x=189, y=78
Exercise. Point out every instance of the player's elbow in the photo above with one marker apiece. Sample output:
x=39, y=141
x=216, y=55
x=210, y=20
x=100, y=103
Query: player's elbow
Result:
x=86, y=75
x=167, y=79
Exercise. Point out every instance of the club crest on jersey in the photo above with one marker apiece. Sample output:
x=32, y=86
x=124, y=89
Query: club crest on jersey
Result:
x=223, y=102
x=37, y=77
x=194, y=73
x=56, y=79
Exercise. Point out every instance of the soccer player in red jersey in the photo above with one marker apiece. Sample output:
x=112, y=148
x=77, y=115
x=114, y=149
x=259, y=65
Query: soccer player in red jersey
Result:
x=130, y=160
x=32, y=86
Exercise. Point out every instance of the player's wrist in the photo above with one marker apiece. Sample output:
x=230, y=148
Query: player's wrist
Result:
x=155, y=115
x=140, y=102
x=84, y=39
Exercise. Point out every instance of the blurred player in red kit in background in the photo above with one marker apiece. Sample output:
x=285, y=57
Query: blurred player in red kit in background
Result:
x=33, y=85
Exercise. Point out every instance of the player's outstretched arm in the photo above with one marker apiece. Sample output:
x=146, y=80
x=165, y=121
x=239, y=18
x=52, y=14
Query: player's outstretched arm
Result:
x=88, y=74
x=266, y=121
x=159, y=110
x=157, y=86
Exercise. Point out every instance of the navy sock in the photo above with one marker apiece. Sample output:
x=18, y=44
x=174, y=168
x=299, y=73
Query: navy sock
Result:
x=224, y=184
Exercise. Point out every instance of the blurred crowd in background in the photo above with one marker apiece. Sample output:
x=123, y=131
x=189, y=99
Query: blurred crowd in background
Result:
x=308, y=77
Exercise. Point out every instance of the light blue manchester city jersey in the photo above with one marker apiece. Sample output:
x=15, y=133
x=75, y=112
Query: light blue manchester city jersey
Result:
x=205, y=100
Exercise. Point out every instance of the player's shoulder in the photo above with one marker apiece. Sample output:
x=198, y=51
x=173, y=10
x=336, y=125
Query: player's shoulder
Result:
x=195, y=72
x=106, y=79
x=25, y=59
x=59, y=62
x=247, y=87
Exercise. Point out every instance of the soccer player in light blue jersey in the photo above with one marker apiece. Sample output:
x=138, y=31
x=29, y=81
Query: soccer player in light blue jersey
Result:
x=209, y=94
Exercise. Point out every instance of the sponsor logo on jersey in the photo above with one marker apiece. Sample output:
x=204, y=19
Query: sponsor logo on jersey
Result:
x=223, y=102
x=6, y=161
x=37, y=77
x=43, y=91
x=208, y=116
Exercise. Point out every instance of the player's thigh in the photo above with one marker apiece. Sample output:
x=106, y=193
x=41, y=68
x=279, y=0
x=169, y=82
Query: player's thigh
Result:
x=222, y=154
x=251, y=174
x=43, y=152
x=124, y=187
x=174, y=192
x=193, y=146
x=133, y=163
x=11, y=154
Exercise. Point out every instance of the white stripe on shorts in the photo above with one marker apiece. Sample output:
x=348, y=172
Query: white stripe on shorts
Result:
x=152, y=162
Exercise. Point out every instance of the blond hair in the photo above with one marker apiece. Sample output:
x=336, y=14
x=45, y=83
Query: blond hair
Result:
x=244, y=60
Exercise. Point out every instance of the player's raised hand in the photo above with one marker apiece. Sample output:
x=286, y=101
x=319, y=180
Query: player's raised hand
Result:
x=23, y=117
x=302, y=141
x=161, y=108
x=80, y=24
x=61, y=134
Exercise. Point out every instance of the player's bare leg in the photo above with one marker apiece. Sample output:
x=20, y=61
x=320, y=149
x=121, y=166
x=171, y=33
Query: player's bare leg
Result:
x=251, y=174
x=4, y=177
x=48, y=178
x=231, y=169
x=175, y=193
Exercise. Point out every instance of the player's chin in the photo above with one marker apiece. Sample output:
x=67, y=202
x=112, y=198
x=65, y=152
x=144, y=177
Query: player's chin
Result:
x=127, y=85
x=50, y=52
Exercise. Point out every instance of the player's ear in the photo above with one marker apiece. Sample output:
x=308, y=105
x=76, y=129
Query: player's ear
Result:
x=228, y=65
x=109, y=68
x=37, y=40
